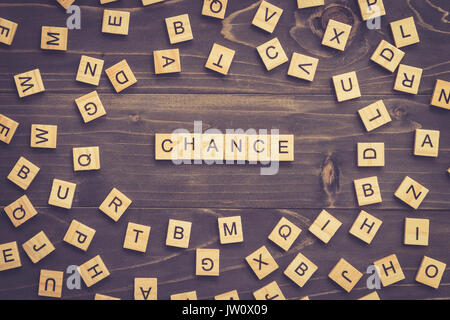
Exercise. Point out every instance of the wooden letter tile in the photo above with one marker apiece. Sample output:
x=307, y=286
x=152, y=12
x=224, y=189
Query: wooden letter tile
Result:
x=230, y=295
x=214, y=8
x=404, y=32
x=389, y=270
x=90, y=70
x=50, y=283
x=309, y=3
x=411, y=192
x=230, y=230
x=387, y=56
x=90, y=106
x=20, y=211
x=67, y=3
x=54, y=38
x=212, y=147
x=416, y=232
x=167, y=61
x=371, y=9
x=178, y=233
x=345, y=275
x=9, y=256
x=207, y=262
x=166, y=146
x=371, y=296
x=269, y=292
x=426, y=143
x=149, y=2
x=43, y=136
x=191, y=295
x=236, y=148
x=374, y=115
x=29, y=83
x=336, y=35
x=179, y=29
x=282, y=147
x=300, y=270
x=145, y=289
x=365, y=227
x=115, y=204
x=261, y=262
x=408, y=79
x=121, y=76
x=7, y=31
x=85, y=159
x=346, y=86
x=38, y=247
x=7, y=129
x=93, y=271
x=258, y=147
x=79, y=235
x=441, y=94
x=116, y=22
x=267, y=16
x=367, y=191
x=99, y=296
x=272, y=54
x=325, y=226
x=303, y=67
x=136, y=237
x=284, y=234
x=62, y=194
x=220, y=59
x=107, y=1
x=371, y=154
x=430, y=272
x=23, y=173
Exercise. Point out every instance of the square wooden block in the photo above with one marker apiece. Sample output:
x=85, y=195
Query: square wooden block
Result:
x=345, y=275
x=178, y=233
x=404, y=32
x=149, y=2
x=93, y=271
x=121, y=76
x=214, y=8
x=79, y=235
x=207, y=262
x=212, y=147
x=374, y=115
x=272, y=54
x=371, y=9
x=371, y=296
x=267, y=16
x=261, y=262
x=8, y=128
x=346, y=86
x=145, y=288
x=188, y=146
x=389, y=270
x=336, y=35
x=43, y=136
x=301, y=4
x=167, y=61
x=99, y=296
x=365, y=227
x=179, y=29
x=441, y=94
x=430, y=272
x=282, y=147
x=29, y=83
x=116, y=22
x=408, y=79
x=284, y=234
x=426, y=143
x=370, y=154
x=85, y=159
x=325, y=226
x=62, y=194
x=67, y=3
x=50, y=283
x=38, y=247
x=115, y=204
x=367, y=191
x=236, y=148
x=230, y=295
x=136, y=237
x=300, y=270
x=258, y=148
x=230, y=230
x=20, y=211
x=23, y=173
x=90, y=107
x=220, y=59
x=269, y=292
x=411, y=192
x=90, y=70
x=9, y=256
x=303, y=67
x=166, y=146
x=387, y=56
x=416, y=232
x=7, y=31
x=191, y=295
x=54, y=38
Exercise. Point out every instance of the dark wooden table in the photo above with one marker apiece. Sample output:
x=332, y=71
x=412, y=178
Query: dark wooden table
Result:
x=321, y=177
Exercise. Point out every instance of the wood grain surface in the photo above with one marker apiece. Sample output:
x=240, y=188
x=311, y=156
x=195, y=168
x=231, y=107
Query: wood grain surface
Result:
x=326, y=133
